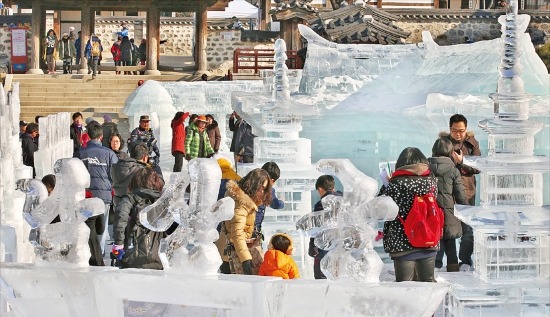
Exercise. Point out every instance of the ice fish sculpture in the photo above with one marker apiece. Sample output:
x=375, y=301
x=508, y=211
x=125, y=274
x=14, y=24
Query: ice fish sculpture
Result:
x=65, y=241
x=190, y=249
x=344, y=226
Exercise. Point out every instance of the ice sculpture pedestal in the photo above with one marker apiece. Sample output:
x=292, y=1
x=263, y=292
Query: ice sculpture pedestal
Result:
x=107, y=291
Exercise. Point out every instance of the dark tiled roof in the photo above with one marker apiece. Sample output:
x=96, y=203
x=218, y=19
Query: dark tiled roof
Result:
x=359, y=24
x=283, y=5
x=259, y=36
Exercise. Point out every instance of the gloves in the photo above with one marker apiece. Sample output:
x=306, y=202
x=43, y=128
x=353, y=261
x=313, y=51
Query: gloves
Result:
x=247, y=267
x=188, y=157
x=118, y=252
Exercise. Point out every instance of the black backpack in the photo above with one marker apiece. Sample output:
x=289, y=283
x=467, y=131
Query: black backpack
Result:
x=145, y=253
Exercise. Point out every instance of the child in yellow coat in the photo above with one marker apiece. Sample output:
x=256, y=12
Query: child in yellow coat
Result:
x=278, y=260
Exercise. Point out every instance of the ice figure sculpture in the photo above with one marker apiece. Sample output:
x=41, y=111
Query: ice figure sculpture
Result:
x=190, y=249
x=65, y=241
x=512, y=226
x=14, y=245
x=344, y=226
x=54, y=143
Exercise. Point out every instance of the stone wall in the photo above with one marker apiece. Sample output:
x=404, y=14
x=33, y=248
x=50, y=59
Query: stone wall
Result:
x=454, y=32
x=222, y=44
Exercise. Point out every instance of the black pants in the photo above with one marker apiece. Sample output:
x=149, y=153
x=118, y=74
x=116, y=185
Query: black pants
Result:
x=424, y=268
x=448, y=247
x=466, y=245
x=178, y=163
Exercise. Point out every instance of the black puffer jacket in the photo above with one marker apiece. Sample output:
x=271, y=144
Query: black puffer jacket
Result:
x=449, y=183
x=403, y=189
x=123, y=210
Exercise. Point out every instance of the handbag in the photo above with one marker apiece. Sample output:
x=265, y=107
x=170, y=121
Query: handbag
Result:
x=452, y=228
x=255, y=249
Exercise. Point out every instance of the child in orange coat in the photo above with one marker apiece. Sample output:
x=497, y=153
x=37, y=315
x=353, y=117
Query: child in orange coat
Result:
x=278, y=260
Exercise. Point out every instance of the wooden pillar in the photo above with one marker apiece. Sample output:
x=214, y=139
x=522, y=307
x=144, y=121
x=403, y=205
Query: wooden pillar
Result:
x=42, y=36
x=85, y=16
x=265, y=7
x=379, y=4
x=200, y=41
x=153, y=26
x=36, y=42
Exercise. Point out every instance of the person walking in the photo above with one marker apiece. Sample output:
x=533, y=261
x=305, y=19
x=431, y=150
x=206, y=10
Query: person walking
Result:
x=78, y=48
x=67, y=51
x=50, y=47
x=93, y=53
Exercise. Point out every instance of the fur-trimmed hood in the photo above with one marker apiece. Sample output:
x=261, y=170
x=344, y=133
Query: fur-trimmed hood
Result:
x=447, y=133
x=240, y=198
x=469, y=138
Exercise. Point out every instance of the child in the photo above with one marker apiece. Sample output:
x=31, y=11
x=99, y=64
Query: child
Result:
x=278, y=260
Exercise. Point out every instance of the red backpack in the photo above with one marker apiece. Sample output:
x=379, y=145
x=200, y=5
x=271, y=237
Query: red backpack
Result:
x=424, y=223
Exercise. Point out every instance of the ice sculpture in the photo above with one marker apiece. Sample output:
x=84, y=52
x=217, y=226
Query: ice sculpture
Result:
x=54, y=143
x=190, y=249
x=65, y=241
x=344, y=226
x=512, y=226
x=14, y=245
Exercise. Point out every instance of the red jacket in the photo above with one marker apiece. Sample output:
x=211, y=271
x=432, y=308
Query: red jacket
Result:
x=178, y=134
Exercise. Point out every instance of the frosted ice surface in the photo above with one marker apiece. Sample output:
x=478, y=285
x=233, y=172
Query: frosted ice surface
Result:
x=64, y=243
x=54, y=143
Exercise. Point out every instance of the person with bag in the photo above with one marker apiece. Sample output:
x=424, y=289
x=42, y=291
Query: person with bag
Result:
x=93, y=53
x=239, y=245
x=411, y=179
x=144, y=189
x=450, y=191
x=117, y=53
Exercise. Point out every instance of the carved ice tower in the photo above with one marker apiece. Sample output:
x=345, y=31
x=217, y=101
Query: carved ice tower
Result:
x=276, y=120
x=511, y=225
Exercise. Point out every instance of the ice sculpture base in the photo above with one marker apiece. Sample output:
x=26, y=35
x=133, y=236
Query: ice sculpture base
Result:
x=112, y=292
x=468, y=296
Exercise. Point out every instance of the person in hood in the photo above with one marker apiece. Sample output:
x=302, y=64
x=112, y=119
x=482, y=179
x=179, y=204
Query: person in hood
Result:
x=411, y=178
x=450, y=190
x=278, y=258
x=178, y=139
x=464, y=144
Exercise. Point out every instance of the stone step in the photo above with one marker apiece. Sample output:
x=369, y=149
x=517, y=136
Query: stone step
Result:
x=68, y=93
x=119, y=98
x=83, y=86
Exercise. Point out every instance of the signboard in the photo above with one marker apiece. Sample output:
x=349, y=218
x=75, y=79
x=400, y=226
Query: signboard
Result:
x=19, y=50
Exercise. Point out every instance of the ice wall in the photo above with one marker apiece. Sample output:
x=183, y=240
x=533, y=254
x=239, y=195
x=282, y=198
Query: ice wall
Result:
x=54, y=143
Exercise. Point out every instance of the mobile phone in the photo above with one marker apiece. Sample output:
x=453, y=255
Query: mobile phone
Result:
x=458, y=151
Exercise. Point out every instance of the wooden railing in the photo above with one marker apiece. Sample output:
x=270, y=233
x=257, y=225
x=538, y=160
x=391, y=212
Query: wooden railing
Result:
x=256, y=60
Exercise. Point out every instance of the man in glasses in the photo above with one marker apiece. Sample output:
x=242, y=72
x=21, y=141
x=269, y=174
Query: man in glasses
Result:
x=464, y=144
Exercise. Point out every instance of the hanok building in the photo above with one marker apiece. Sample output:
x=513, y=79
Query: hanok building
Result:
x=88, y=10
x=358, y=24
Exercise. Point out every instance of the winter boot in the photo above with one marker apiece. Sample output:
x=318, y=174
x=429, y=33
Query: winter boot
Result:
x=453, y=268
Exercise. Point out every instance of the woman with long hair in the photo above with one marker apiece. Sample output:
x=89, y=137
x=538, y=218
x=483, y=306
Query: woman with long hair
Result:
x=411, y=178
x=238, y=245
x=144, y=189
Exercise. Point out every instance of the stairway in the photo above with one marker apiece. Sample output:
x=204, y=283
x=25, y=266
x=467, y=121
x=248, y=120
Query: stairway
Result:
x=48, y=94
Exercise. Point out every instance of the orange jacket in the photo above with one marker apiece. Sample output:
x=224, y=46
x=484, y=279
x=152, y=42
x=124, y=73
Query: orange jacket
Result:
x=276, y=263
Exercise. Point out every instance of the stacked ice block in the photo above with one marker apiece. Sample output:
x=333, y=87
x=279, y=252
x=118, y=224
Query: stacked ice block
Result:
x=511, y=227
x=54, y=142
